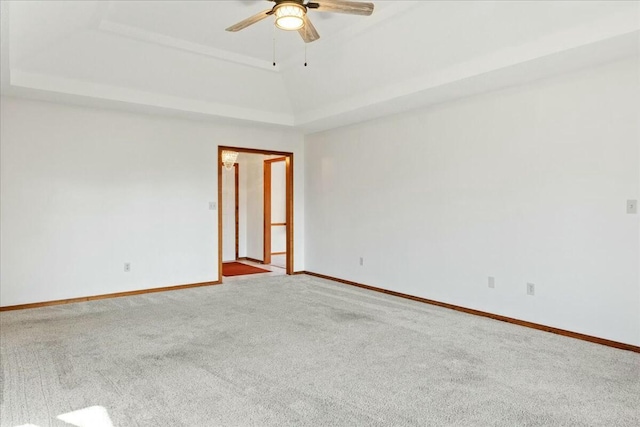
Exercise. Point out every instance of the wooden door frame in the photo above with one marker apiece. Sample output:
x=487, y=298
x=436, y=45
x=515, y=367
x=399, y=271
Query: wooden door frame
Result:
x=289, y=200
x=266, y=217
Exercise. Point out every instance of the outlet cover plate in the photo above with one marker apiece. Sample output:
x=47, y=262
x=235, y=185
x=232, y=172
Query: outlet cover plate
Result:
x=531, y=289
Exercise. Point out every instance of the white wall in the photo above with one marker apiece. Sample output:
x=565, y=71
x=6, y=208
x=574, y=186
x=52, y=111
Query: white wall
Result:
x=527, y=184
x=278, y=206
x=253, y=171
x=242, y=206
x=85, y=190
x=229, y=215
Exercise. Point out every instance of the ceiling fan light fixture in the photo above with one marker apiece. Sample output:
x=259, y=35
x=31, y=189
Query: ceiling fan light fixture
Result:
x=290, y=16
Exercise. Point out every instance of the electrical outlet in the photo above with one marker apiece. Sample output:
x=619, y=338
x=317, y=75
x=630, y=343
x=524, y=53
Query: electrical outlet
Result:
x=632, y=206
x=531, y=289
x=361, y=261
x=212, y=206
x=492, y=282
x=127, y=267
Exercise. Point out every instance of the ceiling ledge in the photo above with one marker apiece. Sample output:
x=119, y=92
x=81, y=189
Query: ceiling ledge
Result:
x=610, y=39
x=65, y=90
x=5, y=69
x=184, y=45
x=614, y=38
x=328, y=43
x=496, y=80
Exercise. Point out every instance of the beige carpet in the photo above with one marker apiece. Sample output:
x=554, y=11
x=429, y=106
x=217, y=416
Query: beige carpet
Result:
x=300, y=351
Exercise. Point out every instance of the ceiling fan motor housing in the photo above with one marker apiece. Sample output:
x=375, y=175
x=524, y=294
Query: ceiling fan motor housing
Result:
x=289, y=14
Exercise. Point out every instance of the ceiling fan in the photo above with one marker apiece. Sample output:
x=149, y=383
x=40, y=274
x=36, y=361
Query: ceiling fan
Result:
x=291, y=15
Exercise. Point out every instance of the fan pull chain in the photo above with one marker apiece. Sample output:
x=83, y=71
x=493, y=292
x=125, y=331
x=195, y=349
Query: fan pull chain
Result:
x=305, y=54
x=274, y=46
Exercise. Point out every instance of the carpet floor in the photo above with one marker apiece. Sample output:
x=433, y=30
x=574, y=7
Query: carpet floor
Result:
x=300, y=351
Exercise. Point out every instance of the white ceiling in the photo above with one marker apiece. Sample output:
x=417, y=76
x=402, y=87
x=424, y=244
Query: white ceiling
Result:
x=176, y=58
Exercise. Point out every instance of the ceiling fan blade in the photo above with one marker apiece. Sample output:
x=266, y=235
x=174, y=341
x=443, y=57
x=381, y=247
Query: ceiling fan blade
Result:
x=308, y=32
x=250, y=21
x=350, y=7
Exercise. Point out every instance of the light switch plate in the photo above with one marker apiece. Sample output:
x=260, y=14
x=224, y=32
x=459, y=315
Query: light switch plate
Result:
x=632, y=206
x=212, y=206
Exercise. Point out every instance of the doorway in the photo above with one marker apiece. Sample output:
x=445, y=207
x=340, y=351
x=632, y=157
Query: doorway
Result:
x=275, y=218
x=278, y=235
